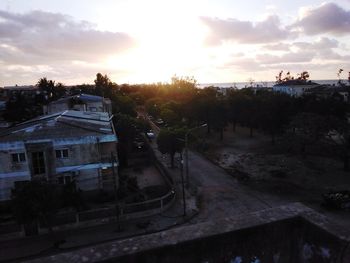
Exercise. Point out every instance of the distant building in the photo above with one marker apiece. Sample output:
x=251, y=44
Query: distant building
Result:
x=295, y=88
x=327, y=91
x=80, y=102
x=66, y=146
x=8, y=92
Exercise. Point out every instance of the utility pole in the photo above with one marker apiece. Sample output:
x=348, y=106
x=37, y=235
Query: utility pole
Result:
x=117, y=212
x=183, y=188
x=186, y=158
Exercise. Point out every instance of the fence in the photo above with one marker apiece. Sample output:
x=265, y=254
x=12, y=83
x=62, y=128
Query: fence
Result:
x=124, y=211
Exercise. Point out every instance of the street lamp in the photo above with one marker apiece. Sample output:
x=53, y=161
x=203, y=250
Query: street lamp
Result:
x=186, y=150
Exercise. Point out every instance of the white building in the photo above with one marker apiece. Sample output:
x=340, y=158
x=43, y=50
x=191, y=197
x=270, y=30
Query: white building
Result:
x=295, y=88
x=80, y=102
x=61, y=147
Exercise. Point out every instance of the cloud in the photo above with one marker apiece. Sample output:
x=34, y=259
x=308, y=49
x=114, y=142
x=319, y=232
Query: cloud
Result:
x=38, y=44
x=45, y=37
x=277, y=47
x=327, y=18
x=290, y=57
x=266, y=31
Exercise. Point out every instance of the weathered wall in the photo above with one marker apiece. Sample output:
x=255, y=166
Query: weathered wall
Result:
x=286, y=234
x=7, y=166
x=7, y=183
x=88, y=179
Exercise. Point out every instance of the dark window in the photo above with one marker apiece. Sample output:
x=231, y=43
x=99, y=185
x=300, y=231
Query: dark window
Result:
x=18, y=157
x=38, y=162
x=64, y=179
x=62, y=153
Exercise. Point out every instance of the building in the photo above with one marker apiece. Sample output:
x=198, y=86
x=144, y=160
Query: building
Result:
x=65, y=146
x=80, y=102
x=295, y=87
x=28, y=91
x=328, y=91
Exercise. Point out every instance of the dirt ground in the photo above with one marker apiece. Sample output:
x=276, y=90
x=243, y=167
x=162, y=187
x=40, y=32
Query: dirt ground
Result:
x=261, y=165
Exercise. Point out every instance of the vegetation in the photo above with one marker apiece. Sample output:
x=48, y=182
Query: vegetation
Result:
x=171, y=141
x=35, y=200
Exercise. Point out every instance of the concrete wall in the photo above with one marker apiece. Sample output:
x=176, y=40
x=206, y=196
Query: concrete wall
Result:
x=78, y=156
x=286, y=234
x=7, y=183
x=97, y=106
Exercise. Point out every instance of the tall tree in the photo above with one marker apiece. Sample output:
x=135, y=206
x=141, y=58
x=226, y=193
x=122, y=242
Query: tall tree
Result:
x=171, y=141
x=103, y=85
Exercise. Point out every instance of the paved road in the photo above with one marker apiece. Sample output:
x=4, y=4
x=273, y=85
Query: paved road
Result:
x=222, y=195
x=219, y=194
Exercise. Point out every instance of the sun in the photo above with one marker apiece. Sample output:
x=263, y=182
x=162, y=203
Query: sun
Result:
x=168, y=45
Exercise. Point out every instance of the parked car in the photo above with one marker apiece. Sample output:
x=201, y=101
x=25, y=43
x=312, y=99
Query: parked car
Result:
x=150, y=134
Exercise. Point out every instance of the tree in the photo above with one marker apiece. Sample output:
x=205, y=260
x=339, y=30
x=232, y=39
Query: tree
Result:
x=153, y=106
x=35, y=200
x=275, y=112
x=169, y=116
x=170, y=141
x=309, y=129
x=47, y=87
x=59, y=90
x=235, y=106
x=123, y=104
x=338, y=137
x=103, y=85
x=220, y=116
x=125, y=127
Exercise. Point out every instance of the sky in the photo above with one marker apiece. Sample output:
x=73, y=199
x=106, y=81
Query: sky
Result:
x=137, y=41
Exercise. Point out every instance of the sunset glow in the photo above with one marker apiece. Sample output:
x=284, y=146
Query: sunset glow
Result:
x=150, y=41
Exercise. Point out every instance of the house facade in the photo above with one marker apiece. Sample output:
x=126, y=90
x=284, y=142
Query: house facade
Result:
x=295, y=88
x=80, y=102
x=66, y=146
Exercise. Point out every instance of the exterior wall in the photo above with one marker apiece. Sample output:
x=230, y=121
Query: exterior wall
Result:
x=106, y=149
x=85, y=160
x=107, y=105
x=88, y=179
x=59, y=107
x=7, y=166
x=95, y=106
x=293, y=90
x=7, y=183
x=11, y=172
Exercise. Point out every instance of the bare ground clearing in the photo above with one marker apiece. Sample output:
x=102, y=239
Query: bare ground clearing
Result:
x=265, y=167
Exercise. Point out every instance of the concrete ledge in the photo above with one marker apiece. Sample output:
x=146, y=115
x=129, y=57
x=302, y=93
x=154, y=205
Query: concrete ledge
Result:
x=285, y=234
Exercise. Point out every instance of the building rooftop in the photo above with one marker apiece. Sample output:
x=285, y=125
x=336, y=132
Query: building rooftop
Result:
x=82, y=97
x=296, y=82
x=65, y=124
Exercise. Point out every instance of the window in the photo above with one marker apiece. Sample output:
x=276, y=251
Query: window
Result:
x=62, y=153
x=93, y=109
x=18, y=157
x=65, y=179
x=38, y=161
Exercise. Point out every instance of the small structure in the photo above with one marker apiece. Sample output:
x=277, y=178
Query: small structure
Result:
x=65, y=146
x=80, y=102
x=327, y=91
x=28, y=91
x=294, y=87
